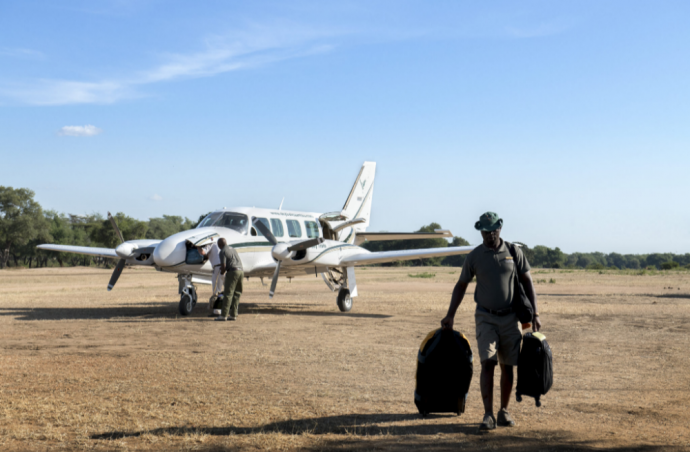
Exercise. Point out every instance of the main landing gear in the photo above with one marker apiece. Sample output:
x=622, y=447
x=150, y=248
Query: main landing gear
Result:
x=187, y=293
x=337, y=280
x=344, y=300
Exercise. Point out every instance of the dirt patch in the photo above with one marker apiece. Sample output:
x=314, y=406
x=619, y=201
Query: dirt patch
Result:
x=83, y=368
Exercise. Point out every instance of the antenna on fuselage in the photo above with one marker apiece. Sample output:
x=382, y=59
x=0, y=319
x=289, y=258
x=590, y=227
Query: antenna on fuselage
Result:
x=281, y=204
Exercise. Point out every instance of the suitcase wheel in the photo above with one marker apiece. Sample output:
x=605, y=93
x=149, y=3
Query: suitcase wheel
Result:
x=518, y=397
x=537, y=402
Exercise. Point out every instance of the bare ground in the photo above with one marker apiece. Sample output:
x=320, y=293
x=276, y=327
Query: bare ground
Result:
x=83, y=368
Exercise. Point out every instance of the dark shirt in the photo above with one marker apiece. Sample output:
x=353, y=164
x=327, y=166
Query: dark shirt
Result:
x=230, y=258
x=495, y=270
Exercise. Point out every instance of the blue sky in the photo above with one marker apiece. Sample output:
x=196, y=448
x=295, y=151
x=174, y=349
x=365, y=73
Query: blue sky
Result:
x=569, y=119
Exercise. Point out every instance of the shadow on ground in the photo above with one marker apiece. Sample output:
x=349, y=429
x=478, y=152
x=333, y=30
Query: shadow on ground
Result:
x=374, y=432
x=166, y=310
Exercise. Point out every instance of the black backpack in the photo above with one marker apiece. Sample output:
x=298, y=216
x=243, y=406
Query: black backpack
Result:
x=444, y=373
x=535, y=368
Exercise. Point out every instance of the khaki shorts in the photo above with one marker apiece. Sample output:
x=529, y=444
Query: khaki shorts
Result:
x=498, y=337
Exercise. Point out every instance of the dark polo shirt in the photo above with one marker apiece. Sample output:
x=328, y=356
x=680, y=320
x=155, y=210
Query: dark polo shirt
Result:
x=494, y=270
x=230, y=258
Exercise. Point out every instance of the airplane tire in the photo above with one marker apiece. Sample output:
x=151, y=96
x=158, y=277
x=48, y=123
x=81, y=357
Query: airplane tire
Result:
x=186, y=304
x=344, y=300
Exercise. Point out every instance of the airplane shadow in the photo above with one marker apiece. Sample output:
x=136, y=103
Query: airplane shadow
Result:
x=359, y=424
x=163, y=310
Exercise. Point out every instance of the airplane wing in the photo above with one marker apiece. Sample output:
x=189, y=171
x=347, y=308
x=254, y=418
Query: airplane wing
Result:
x=403, y=255
x=102, y=252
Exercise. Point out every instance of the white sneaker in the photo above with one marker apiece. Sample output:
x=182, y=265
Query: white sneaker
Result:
x=216, y=312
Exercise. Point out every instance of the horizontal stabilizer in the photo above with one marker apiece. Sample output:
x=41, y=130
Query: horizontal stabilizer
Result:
x=403, y=255
x=378, y=236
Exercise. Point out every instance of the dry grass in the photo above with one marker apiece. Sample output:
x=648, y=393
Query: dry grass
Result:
x=83, y=368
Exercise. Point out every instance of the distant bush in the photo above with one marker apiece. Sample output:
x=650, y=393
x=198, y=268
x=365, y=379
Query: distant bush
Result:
x=422, y=275
x=670, y=265
x=595, y=266
x=552, y=281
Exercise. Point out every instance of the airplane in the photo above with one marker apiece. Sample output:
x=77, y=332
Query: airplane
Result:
x=273, y=242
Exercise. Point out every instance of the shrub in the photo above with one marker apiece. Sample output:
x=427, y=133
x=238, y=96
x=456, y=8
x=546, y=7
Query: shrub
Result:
x=422, y=275
x=670, y=265
x=595, y=266
x=552, y=281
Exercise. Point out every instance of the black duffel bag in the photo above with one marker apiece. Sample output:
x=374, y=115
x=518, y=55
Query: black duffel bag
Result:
x=444, y=373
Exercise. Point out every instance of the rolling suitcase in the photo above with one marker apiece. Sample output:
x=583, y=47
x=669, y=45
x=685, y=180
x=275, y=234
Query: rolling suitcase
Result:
x=444, y=373
x=535, y=368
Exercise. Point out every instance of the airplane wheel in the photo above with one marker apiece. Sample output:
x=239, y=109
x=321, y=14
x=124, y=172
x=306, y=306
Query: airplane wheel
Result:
x=186, y=304
x=344, y=300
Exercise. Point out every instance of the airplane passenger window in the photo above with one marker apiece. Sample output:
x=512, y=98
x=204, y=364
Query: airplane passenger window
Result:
x=232, y=220
x=294, y=229
x=277, y=227
x=312, y=229
x=265, y=222
x=209, y=220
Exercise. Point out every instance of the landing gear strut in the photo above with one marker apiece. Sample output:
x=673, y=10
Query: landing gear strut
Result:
x=188, y=295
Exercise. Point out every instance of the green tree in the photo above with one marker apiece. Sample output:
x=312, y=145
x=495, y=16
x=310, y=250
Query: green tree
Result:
x=458, y=260
x=161, y=228
x=21, y=220
x=131, y=229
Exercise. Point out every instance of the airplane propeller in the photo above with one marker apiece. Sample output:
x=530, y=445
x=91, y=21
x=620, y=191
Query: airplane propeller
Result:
x=121, y=263
x=282, y=251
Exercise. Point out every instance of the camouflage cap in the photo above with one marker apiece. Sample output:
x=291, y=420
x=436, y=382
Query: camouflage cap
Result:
x=488, y=222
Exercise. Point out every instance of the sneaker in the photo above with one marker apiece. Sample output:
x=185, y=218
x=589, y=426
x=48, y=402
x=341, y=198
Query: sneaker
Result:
x=220, y=318
x=504, y=419
x=489, y=423
x=216, y=312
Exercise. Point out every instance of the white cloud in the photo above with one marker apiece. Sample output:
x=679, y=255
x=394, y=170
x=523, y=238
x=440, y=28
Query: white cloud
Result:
x=21, y=53
x=254, y=47
x=80, y=131
x=157, y=197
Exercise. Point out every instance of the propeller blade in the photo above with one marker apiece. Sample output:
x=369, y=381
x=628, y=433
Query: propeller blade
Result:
x=116, y=274
x=275, y=281
x=117, y=230
x=306, y=244
x=265, y=231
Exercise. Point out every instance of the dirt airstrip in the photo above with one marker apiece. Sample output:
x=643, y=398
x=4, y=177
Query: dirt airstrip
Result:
x=83, y=368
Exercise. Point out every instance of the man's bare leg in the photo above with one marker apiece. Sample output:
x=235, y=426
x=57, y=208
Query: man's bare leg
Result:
x=486, y=383
x=506, y=385
x=507, y=377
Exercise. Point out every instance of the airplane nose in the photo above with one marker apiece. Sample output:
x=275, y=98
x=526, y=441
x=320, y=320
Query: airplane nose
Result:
x=170, y=252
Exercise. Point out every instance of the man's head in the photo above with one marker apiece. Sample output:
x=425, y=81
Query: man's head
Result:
x=490, y=226
x=222, y=243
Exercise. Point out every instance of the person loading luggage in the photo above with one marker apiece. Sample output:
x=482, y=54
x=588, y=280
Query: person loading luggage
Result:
x=212, y=251
x=498, y=330
x=231, y=267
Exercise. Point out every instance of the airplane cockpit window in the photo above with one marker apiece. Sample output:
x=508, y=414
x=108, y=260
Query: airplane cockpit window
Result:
x=232, y=220
x=209, y=220
x=312, y=229
x=294, y=229
x=277, y=227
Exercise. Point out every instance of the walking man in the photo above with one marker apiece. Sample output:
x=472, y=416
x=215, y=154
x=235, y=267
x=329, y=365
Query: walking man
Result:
x=498, y=331
x=212, y=251
x=231, y=267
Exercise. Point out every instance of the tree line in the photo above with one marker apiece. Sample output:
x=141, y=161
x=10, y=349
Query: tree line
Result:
x=24, y=225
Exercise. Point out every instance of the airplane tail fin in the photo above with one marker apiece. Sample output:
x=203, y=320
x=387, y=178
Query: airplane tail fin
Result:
x=358, y=204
